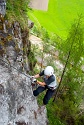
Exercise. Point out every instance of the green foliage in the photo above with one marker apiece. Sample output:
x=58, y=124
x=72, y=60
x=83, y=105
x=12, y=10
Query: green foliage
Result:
x=65, y=109
x=52, y=115
x=35, y=30
x=32, y=60
x=48, y=44
x=80, y=120
x=17, y=11
x=71, y=90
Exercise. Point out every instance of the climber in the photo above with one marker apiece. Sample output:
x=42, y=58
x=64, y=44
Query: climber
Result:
x=49, y=83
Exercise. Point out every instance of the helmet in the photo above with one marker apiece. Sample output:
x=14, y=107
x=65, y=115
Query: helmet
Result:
x=48, y=71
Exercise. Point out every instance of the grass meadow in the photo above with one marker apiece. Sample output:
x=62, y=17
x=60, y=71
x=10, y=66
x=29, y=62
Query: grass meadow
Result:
x=59, y=16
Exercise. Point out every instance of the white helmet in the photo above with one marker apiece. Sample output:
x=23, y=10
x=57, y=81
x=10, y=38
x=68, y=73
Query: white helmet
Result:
x=48, y=71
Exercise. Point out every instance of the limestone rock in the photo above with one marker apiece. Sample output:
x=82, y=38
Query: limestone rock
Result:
x=18, y=106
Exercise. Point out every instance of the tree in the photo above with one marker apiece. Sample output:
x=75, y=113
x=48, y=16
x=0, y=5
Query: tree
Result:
x=70, y=87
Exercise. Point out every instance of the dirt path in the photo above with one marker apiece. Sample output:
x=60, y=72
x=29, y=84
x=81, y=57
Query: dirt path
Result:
x=39, y=4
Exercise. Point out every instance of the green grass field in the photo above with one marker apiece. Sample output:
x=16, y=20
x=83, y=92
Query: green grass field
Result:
x=59, y=17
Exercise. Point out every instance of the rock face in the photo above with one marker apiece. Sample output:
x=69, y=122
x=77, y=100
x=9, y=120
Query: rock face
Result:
x=18, y=106
x=2, y=7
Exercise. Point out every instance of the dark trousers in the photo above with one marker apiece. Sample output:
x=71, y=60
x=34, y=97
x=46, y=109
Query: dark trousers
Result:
x=48, y=95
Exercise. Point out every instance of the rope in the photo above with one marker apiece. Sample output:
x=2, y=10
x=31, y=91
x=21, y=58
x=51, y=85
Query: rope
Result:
x=16, y=69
